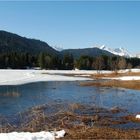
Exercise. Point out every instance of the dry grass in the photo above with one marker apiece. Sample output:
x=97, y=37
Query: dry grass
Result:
x=101, y=133
x=114, y=74
x=87, y=125
x=132, y=84
x=131, y=118
x=77, y=126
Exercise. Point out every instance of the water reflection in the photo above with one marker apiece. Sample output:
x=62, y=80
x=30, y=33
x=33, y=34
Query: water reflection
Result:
x=14, y=99
x=10, y=94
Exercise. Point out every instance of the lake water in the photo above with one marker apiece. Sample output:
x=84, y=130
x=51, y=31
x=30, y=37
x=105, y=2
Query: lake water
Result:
x=15, y=99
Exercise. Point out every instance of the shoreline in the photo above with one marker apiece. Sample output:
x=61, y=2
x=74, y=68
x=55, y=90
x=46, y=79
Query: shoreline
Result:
x=76, y=126
x=20, y=77
x=131, y=84
x=127, y=80
x=121, y=79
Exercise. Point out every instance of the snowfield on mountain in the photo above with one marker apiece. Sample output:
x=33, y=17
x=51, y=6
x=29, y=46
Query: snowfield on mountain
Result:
x=117, y=51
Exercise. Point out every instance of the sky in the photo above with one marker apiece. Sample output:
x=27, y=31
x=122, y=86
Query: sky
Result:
x=75, y=24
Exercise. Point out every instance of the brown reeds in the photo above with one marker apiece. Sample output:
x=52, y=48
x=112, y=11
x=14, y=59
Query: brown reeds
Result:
x=132, y=84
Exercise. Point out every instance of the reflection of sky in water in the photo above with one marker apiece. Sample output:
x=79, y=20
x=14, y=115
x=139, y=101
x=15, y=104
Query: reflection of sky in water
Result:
x=15, y=99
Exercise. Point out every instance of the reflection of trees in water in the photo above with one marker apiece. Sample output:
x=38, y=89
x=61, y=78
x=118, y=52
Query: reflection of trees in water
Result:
x=114, y=95
x=10, y=93
x=120, y=97
x=98, y=99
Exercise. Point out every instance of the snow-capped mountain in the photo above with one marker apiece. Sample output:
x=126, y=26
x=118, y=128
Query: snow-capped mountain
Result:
x=57, y=48
x=137, y=55
x=118, y=51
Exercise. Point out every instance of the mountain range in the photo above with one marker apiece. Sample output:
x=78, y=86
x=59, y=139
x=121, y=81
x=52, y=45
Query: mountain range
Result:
x=117, y=51
x=10, y=42
x=86, y=51
x=102, y=50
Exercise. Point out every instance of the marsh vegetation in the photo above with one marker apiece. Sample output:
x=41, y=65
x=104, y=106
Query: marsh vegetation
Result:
x=84, y=112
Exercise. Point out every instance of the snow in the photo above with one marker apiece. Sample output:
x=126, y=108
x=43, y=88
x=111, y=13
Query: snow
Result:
x=83, y=75
x=138, y=116
x=135, y=70
x=57, y=48
x=128, y=70
x=127, y=78
x=32, y=136
x=122, y=52
x=79, y=72
x=59, y=134
x=117, y=51
x=18, y=77
x=137, y=55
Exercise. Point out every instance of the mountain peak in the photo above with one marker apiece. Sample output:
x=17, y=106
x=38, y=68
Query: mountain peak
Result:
x=117, y=51
x=102, y=47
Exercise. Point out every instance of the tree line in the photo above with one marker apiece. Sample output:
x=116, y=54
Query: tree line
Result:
x=18, y=60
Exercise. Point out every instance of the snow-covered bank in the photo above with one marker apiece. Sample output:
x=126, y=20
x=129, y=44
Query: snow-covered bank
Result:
x=32, y=136
x=17, y=77
x=127, y=78
x=128, y=70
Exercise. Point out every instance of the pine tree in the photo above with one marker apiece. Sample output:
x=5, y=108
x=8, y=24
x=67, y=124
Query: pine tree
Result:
x=68, y=61
x=41, y=60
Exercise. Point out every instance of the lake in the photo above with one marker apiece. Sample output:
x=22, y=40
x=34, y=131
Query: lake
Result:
x=15, y=99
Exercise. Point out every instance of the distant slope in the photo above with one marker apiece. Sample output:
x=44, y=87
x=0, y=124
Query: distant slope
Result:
x=86, y=51
x=12, y=42
x=59, y=49
x=118, y=51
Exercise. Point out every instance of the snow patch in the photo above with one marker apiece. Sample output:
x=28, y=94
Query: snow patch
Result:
x=32, y=136
x=82, y=75
x=138, y=116
x=137, y=55
x=58, y=48
x=126, y=78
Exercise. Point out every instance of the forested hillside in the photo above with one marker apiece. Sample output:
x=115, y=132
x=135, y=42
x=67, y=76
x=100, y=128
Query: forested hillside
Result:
x=10, y=42
x=20, y=52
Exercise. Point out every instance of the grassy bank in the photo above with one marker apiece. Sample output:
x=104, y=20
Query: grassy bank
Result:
x=131, y=84
x=115, y=74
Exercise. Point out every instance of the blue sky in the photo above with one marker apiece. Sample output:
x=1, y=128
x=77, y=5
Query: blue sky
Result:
x=75, y=24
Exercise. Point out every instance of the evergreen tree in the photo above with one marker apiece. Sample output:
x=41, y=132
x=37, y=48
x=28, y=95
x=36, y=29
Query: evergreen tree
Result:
x=41, y=60
x=68, y=61
x=84, y=62
x=48, y=62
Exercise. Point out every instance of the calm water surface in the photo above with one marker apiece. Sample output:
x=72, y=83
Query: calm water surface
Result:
x=14, y=99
